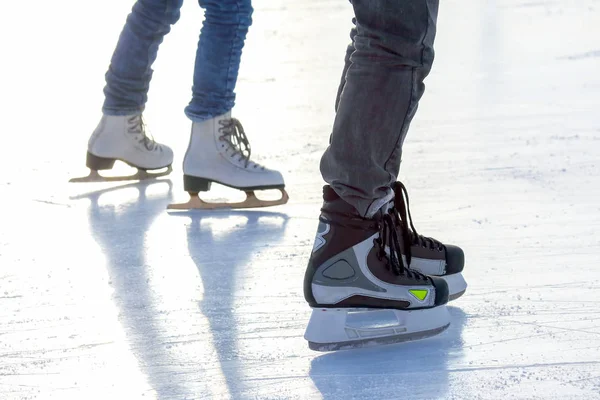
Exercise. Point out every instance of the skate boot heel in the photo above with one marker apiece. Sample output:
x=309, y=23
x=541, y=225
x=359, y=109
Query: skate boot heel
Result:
x=193, y=184
x=96, y=163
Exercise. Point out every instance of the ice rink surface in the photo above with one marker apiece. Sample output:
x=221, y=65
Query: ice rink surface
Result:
x=106, y=295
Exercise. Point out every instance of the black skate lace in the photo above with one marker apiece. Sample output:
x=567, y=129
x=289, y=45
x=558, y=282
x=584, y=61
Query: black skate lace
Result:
x=138, y=127
x=388, y=236
x=402, y=214
x=233, y=133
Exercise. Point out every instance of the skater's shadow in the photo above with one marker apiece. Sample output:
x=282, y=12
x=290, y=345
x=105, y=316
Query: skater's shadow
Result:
x=119, y=225
x=412, y=370
x=222, y=245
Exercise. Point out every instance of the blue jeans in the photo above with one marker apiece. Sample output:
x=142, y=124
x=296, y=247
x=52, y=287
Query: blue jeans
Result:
x=218, y=56
x=382, y=82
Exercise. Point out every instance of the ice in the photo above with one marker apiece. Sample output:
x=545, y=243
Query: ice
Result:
x=106, y=295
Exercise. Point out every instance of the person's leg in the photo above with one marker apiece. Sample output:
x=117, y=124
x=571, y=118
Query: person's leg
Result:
x=219, y=150
x=129, y=74
x=358, y=257
x=218, y=57
x=384, y=82
x=349, y=51
x=423, y=253
x=120, y=134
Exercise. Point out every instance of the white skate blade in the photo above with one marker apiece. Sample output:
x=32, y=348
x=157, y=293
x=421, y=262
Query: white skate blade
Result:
x=457, y=286
x=331, y=329
x=140, y=175
x=251, y=201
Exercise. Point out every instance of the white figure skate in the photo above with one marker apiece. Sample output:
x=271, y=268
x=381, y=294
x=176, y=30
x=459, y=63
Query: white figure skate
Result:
x=219, y=152
x=124, y=138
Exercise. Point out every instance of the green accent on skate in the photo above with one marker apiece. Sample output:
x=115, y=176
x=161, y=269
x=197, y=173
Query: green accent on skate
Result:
x=419, y=293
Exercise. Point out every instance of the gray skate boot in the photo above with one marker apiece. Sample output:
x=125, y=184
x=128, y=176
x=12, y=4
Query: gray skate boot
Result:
x=426, y=254
x=356, y=274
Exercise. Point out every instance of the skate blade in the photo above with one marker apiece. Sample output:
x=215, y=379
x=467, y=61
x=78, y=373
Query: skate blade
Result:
x=457, y=286
x=140, y=175
x=251, y=201
x=344, y=329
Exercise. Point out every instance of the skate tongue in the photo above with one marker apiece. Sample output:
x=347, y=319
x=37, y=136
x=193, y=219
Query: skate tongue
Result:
x=233, y=133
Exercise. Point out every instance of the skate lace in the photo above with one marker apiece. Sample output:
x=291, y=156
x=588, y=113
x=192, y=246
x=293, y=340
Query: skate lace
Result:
x=232, y=132
x=388, y=237
x=410, y=235
x=137, y=126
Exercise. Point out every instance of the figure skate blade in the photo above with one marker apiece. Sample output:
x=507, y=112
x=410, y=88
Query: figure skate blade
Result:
x=251, y=201
x=140, y=175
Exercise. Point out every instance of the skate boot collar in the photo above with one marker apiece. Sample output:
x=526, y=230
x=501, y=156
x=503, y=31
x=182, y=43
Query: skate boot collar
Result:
x=226, y=115
x=333, y=202
x=330, y=195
